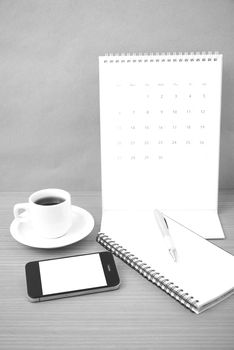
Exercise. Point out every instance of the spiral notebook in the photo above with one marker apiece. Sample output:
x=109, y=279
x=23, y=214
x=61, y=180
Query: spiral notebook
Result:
x=201, y=277
x=160, y=130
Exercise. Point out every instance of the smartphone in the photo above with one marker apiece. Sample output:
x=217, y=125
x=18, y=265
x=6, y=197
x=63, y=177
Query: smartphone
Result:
x=70, y=276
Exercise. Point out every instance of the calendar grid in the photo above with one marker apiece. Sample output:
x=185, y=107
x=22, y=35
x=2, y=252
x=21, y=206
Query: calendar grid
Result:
x=160, y=128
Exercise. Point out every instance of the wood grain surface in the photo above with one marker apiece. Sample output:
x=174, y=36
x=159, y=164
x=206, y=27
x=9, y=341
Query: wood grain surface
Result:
x=137, y=316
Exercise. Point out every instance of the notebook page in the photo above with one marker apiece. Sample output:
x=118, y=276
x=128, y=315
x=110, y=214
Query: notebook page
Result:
x=160, y=124
x=202, y=270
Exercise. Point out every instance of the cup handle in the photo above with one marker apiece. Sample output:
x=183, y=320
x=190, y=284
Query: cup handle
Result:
x=19, y=210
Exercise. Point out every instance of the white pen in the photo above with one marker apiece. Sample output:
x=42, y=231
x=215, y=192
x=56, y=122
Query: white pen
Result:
x=162, y=223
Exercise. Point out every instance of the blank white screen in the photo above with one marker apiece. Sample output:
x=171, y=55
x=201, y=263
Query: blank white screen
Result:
x=70, y=274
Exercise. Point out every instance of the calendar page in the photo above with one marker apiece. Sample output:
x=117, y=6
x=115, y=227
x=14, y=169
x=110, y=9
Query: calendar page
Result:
x=160, y=129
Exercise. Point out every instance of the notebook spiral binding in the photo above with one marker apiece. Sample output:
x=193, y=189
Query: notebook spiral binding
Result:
x=146, y=271
x=161, y=57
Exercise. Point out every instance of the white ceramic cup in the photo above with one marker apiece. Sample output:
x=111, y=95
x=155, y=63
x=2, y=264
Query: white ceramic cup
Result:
x=50, y=221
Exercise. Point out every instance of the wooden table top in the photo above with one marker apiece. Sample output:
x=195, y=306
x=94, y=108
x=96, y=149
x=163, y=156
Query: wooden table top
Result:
x=137, y=316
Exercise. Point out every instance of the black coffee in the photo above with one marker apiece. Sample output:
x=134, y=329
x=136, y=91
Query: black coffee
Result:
x=49, y=201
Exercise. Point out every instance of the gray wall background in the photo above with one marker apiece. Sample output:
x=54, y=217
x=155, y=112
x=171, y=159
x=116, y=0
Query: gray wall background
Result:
x=49, y=102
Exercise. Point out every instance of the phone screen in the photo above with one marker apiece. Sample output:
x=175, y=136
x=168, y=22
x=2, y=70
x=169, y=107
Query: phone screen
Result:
x=71, y=274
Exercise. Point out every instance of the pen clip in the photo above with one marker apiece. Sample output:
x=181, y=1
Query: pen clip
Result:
x=166, y=222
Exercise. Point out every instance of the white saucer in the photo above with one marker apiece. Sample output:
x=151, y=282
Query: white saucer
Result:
x=82, y=225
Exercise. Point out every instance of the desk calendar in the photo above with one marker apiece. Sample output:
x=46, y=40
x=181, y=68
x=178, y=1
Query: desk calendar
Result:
x=160, y=130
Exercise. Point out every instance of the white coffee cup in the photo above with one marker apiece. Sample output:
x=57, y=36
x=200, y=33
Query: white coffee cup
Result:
x=48, y=210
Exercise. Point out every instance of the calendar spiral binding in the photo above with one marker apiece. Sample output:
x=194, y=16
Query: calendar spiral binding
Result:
x=161, y=57
x=147, y=272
